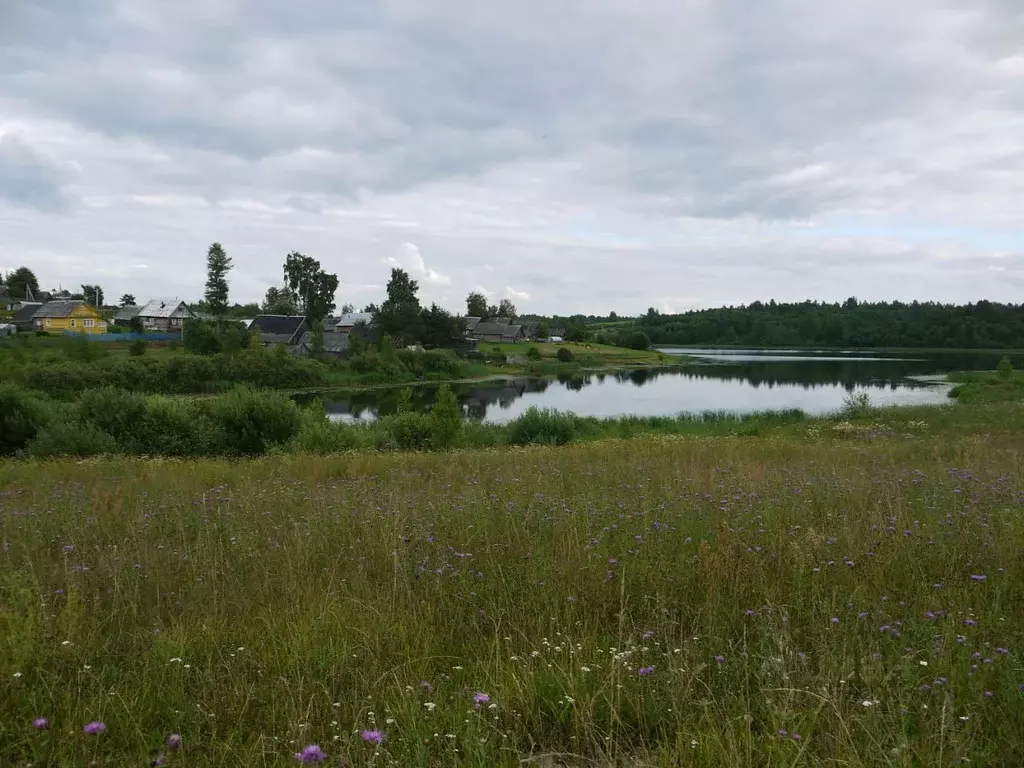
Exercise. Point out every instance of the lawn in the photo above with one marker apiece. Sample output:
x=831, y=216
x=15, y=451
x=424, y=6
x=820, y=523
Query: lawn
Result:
x=810, y=596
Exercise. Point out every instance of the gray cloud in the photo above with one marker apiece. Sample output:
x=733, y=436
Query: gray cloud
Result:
x=591, y=154
x=28, y=177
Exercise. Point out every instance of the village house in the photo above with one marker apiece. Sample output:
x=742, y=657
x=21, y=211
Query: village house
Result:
x=350, y=319
x=24, y=313
x=334, y=344
x=279, y=329
x=71, y=316
x=124, y=315
x=499, y=329
x=164, y=315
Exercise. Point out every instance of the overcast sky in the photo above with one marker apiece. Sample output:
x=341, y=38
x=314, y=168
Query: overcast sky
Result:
x=584, y=155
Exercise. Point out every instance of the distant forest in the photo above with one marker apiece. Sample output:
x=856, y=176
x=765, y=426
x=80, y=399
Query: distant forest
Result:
x=985, y=325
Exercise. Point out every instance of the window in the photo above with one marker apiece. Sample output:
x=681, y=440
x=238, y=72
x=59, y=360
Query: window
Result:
x=87, y=323
x=47, y=322
x=71, y=323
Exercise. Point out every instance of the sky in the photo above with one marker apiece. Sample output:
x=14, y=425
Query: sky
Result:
x=571, y=155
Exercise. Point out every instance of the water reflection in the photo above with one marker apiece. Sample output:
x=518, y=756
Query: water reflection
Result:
x=813, y=383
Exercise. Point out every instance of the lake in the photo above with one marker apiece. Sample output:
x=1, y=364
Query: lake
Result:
x=733, y=380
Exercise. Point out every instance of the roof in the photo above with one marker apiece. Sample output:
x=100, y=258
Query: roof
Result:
x=513, y=330
x=26, y=312
x=277, y=338
x=127, y=313
x=491, y=329
x=472, y=323
x=161, y=308
x=499, y=320
x=276, y=325
x=334, y=343
x=62, y=308
x=351, y=318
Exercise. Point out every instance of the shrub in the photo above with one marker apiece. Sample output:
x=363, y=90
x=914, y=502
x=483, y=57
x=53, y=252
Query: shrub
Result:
x=248, y=422
x=318, y=435
x=137, y=348
x=68, y=437
x=534, y=353
x=407, y=431
x=446, y=418
x=544, y=427
x=118, y=413
x=177, y=427
x=1005, y=368
x=638, y=340
x=565, y=355
x=21, y=418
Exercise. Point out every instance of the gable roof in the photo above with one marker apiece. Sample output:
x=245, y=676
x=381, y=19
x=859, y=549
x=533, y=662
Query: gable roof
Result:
x=278, y=325
x=472, y=323
x=62, y=308
x=334, y=343
x=128, y=312
x=26, y=312
x=491, y=329
x=351, y=318
x=161, y=308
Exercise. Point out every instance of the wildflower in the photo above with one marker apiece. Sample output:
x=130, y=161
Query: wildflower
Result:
x=374, y=737
x=645, y=671
x=970, y=622
x=648, y=634
x=481, y=698
x=311, y=754
x=797, y=737
x=783, y=733
x=41, y=723
x=174, y=742
x=429, y=705
x=978, y=577
x=426, y=686
x=158, y=762
x=989, y=694
x=95, y=728
x=835, y=619
x=720, y=659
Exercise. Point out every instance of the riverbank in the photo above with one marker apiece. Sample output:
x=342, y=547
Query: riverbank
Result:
x=822, y=590
x=248, y=422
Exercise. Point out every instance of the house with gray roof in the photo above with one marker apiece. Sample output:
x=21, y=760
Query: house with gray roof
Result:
x=23, y=315
x=124, y=315
x=280, y=329
x=164, y=314
x=350, y=319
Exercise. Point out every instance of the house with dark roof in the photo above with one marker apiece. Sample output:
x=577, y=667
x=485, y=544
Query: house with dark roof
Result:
x=471, y=325
x=164, y=315
x=335, y=344
x=24, y=313
x=499, y=329
x=124, y=315
x=280, y=329
x=349, y=320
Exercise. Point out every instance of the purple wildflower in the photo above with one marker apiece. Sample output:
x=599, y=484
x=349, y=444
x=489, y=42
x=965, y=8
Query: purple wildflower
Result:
x=160, y=760
x=970, y=622
x=989, y=694
x=835, y=619
x=174, y=742
x=426, y=686
x=41, y=723
x=978, y=577
x=797, y=737
x=645, y=671
x=312, y=754
x=648, y=634
x=783, y=733
x=480, y=698
x=95, y=728
x=720, y=659
x=373, y=737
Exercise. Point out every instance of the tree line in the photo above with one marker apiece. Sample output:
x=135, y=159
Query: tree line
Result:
x=982, y=325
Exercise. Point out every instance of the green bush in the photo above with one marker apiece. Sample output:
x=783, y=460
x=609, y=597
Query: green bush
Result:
x=320, y=436
x=543, y=427
x=406, y=431
x=446, y=418
x=565, y=355
x=21, y=418
x=116, y=412
x=69, y=437
x=1005, y=368
x=638, y=340
x=137, y=348
x=248, y=422
x=534, y=353
x=177, y=426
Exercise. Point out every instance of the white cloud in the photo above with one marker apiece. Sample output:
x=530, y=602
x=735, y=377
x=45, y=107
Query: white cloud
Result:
x=412, y=261
x=512, y=293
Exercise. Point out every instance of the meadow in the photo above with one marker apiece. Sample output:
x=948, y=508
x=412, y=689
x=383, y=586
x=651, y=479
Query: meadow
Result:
x=824, y=593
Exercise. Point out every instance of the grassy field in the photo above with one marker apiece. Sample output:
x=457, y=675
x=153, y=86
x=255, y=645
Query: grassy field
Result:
x=828, y=593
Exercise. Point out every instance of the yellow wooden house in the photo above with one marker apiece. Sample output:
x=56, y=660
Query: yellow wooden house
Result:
x=74, y=316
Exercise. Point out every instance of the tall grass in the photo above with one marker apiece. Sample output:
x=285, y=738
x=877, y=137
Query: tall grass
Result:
x=661, y=601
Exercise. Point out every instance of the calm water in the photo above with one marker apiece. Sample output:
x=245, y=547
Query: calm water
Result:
x=738, y=381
